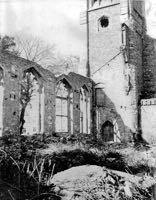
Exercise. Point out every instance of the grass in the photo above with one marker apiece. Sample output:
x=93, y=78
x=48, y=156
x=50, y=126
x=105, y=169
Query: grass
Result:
x=36, y=159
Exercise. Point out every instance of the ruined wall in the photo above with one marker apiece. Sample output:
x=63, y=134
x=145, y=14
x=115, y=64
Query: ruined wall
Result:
x=148, y=103
x=49, y=115
x=148, y=119
x=47, y=80
x=149, y=69
x=76, y=112
x=14, y=68
x=136, y=33
x=76, y=82
x=11, y=93
x=116, y=60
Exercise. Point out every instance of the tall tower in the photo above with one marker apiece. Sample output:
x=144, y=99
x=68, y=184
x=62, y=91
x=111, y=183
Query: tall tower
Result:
x=115, y=36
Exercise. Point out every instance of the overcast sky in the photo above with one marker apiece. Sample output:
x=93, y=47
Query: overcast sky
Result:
x=56, y=21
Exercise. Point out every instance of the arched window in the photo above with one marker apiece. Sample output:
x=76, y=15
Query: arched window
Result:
x=84, y=111
x=64, y=107
x=107, y=132
x=34, y=112
x=1, y=100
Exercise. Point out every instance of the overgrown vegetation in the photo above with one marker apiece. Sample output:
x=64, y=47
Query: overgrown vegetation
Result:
x=25, y=171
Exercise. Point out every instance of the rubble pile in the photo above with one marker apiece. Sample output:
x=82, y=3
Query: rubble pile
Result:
x=90, y=182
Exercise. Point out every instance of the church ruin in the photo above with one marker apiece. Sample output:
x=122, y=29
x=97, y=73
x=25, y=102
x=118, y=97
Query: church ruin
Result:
x=117, y=97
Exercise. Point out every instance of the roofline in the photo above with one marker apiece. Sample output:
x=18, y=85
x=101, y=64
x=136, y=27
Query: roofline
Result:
x=63, y=76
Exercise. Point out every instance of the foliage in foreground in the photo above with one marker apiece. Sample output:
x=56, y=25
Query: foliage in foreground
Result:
x=25, y=174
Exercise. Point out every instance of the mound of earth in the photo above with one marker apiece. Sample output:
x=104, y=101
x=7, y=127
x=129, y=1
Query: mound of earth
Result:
x=91, y=182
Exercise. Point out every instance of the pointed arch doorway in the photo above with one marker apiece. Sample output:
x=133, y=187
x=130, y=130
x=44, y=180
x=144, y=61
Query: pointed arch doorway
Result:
x=107, y=132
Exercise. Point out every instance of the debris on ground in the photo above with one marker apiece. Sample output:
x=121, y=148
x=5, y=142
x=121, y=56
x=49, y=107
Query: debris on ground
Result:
x=94, y=182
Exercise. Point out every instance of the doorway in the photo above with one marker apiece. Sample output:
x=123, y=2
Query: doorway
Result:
x=107, y=132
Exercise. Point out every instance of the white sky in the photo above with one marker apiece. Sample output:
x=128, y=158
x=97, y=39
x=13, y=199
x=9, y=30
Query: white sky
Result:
x=151, y=17
x=56, y=21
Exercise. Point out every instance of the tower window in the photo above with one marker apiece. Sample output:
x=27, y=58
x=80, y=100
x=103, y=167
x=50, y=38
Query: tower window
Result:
x=104, y=22
x=125, y=42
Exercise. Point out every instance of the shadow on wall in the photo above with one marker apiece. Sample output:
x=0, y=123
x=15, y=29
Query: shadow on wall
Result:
x=149, y=68
x=109, y=124
x=148, y=106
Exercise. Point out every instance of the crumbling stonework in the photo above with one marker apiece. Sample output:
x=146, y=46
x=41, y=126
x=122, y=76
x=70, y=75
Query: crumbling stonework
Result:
x=76, y=82
x=121, y=74
x=13, y=69
x=148, y=116
x=148, y=102
x=149, y=63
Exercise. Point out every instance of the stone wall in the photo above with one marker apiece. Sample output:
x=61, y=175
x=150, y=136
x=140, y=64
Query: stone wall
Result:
x=116, y=61
x=77, y=81
x=14, y=68
x=137, y=32
x=49, y=114
x=122, y=64
x=11, y=93
x=148, y=119
x=149, y=69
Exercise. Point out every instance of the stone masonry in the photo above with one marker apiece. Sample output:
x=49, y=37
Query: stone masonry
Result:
x=12, y=70
x=116, y=30
x=120, y=76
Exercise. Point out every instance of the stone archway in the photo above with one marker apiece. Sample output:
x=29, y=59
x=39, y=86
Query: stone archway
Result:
x=34, y=111
x=107, y=132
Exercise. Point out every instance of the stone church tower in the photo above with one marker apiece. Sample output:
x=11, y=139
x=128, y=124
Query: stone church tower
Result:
x=115, y=32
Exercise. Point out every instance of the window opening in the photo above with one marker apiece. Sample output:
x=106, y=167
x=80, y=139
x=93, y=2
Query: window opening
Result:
x=104, y=22
x=125, y=42
x=12, y=96
x=108, y=132
x=64, y=107
x=34, y=113
x=13, y=71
